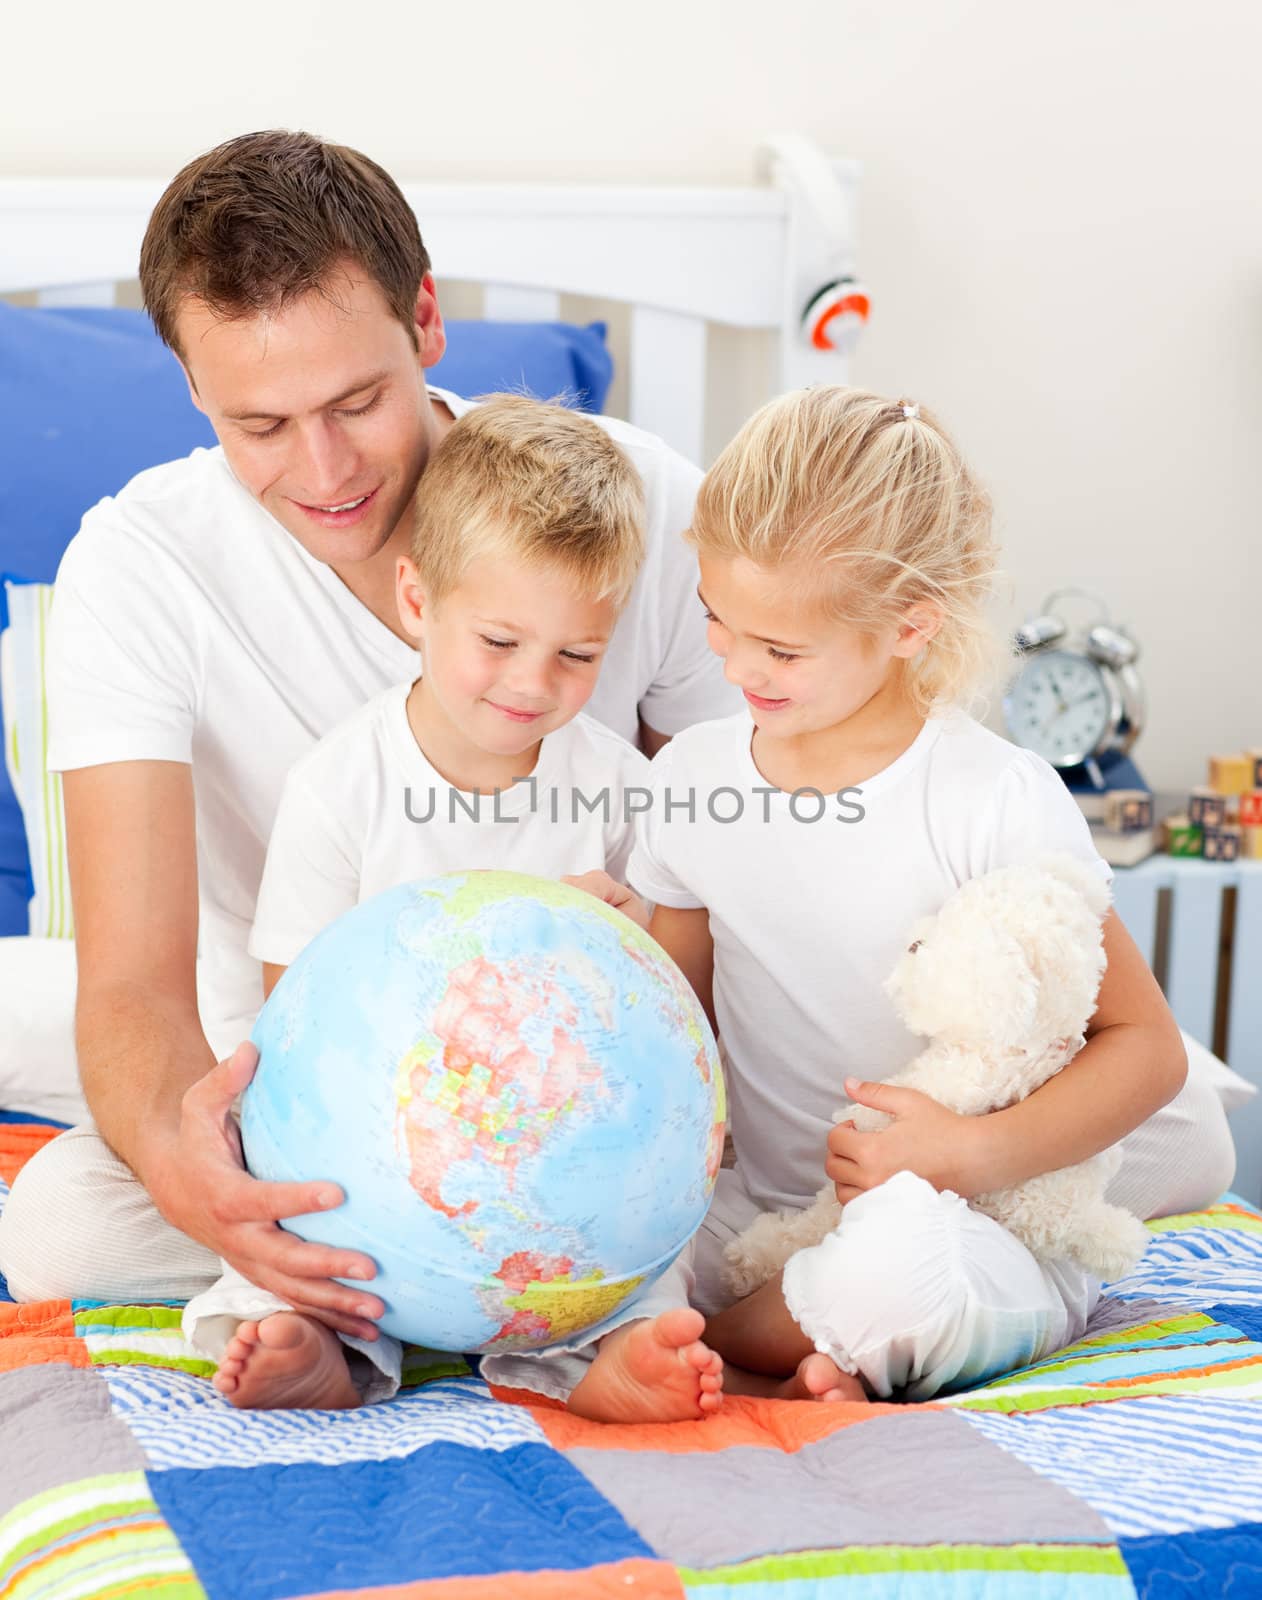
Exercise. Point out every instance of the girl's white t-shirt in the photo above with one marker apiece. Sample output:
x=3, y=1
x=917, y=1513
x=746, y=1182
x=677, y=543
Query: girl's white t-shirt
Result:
x=365, y=811
x=811, y=898
x=189, y=626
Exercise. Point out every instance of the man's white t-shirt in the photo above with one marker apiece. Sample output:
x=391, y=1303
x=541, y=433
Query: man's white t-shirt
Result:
x=188, y=626
x=809, y=916
x=365, y=811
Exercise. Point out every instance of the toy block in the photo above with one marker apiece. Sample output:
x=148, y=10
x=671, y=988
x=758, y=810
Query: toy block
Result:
x=1251, y=809
x=1181, y=837
x=1221, y=844
x=1127, y=810
x=1255, y=757
x=1207, y=809
x=1251, y=844
x=1231, y=774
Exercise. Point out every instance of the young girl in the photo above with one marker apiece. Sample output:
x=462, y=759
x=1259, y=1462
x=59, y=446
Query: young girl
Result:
x=846, y=558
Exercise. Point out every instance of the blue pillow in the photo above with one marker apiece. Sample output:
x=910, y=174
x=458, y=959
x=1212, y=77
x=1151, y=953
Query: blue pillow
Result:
x=552, y=360
x=89, y=397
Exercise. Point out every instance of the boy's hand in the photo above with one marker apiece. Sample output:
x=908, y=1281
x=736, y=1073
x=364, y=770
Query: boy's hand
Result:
x=205, y=1191
x=938, y=1145
x=613, y=893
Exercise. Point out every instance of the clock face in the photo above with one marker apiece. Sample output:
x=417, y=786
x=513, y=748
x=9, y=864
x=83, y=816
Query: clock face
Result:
x=1059, y=707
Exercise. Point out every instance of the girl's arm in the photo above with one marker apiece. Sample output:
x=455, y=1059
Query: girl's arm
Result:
x=685, y=937
x=1132, y=1064
x=272, y=974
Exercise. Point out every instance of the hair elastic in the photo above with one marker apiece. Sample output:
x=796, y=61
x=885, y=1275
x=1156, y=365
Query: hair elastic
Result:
x=911, y=412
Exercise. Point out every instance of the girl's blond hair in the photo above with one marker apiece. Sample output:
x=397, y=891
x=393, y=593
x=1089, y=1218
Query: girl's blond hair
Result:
x=536, y=482
x=867, y=503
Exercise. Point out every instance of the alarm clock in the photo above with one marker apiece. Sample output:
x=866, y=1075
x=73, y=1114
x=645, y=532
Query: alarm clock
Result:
x=1077, y=699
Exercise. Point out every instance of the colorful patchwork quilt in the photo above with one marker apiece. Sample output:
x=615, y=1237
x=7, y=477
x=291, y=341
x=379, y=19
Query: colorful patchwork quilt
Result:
x=1129, y=1464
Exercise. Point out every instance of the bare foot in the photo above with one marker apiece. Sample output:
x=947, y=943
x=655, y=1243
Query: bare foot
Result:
x=818, y=1377
x=652, y=1371
x=287, y=1362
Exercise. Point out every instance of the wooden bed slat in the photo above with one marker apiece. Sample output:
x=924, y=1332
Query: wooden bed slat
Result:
x=77, y=294
x=1192, y=985
x=1244, y=1030
x=1135, y=900
x=502, y=302
x=668, y=377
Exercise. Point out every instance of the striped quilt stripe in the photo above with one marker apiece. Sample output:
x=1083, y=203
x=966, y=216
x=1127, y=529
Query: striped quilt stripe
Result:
x=181, y=1423
x=147, y=1336
x=1154, y=1466
x=1213, y=1258
x=100, y=1537
x=902, y=1560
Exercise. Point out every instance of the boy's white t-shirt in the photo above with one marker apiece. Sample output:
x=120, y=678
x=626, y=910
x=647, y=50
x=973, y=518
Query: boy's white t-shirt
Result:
x=188, y=626
x=364, y=811
x=810, y=916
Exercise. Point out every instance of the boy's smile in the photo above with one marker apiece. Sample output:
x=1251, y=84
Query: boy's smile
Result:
x=510, y=654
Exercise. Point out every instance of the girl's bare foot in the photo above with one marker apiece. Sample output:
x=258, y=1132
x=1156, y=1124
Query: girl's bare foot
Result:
x=652, y=1371
x=287, y=1362
x=818, y=1377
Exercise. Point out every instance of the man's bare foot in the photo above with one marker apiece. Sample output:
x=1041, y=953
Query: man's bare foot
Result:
x=652, y=1371
x=287, y=1362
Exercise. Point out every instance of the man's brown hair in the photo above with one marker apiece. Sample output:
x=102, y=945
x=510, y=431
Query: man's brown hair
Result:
x=264, y=219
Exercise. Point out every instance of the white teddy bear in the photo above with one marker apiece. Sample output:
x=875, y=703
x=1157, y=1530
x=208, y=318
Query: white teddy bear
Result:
x=1002, y=982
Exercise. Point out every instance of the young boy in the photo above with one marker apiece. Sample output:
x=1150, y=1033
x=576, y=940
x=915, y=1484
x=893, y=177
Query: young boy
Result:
x=527, y=542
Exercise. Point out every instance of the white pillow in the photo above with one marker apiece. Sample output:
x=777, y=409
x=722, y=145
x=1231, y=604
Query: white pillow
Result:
x=26, y=750
x=1233, y=1090
x=38, y=1069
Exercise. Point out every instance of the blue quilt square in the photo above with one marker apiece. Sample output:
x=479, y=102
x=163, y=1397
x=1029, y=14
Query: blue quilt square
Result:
x=270, y=1532
x=1223, y=1562
x=1247, y=1318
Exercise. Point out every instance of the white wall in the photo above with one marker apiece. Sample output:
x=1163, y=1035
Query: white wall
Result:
x=1061, y=225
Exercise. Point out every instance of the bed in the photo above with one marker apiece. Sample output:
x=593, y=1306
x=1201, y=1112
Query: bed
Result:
x=1131, y=1463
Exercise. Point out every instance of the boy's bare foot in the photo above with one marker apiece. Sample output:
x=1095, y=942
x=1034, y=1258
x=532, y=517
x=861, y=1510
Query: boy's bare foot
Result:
x=287, y=1362
x=652, y=1371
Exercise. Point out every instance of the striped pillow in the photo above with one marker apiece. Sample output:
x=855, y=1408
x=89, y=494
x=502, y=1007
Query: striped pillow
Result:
x=25, y=753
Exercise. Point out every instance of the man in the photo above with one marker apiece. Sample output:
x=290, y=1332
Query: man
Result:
x=212, y=621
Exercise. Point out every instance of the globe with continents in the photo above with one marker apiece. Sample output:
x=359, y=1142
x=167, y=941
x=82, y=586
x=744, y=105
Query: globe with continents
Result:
x=516, y=1089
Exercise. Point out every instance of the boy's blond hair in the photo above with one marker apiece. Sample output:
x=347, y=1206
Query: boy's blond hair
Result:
x=536, y=482
x=868, y=503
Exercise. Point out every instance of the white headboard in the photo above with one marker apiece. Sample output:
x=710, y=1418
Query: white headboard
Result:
x=681, y=259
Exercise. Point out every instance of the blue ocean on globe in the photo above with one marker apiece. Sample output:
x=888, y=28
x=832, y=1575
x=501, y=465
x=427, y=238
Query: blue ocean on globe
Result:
x=516, y=1088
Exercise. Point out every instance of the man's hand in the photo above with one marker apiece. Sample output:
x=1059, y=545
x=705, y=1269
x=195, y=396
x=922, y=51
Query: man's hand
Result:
x=205, y=1191
x=613, y=893
x=938, y=1145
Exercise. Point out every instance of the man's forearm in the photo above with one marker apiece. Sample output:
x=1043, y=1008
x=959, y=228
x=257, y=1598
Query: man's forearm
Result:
x=139, y=1050
x=1120, y=1077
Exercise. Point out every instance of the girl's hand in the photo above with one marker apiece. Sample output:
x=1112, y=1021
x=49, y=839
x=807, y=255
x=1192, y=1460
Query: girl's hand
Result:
x=940, y=1146
x=613, y=893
